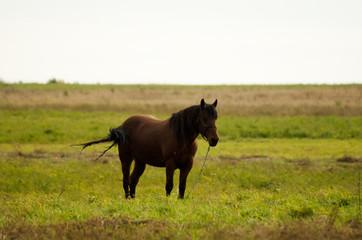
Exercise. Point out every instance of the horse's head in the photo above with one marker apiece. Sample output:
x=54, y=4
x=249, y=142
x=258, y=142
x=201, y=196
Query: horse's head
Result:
x=207, y=122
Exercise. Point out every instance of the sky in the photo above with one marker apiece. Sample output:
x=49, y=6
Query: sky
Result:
x=181, y=42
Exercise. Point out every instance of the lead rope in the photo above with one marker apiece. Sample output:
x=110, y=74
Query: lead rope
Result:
x=202, y=168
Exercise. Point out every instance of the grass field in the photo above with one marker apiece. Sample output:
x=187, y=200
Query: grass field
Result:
x=292, y=173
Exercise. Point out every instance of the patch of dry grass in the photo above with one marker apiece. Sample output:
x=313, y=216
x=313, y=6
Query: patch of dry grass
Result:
x=336, y=100
x=125, y=228
x=93, y=228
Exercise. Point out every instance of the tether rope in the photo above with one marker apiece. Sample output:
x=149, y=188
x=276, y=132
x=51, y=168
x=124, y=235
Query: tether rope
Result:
x=202, y=168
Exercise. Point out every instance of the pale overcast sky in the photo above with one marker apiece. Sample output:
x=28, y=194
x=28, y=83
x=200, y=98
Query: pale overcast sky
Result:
x=181, y=42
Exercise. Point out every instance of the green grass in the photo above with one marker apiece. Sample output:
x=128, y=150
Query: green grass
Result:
x=43, y=187
x=259, y=189
x=265, y=173
x=39, y=126
x=235, y=128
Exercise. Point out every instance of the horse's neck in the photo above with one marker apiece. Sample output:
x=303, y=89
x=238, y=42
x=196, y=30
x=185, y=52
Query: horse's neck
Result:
x=191, y=138
x=184, y=123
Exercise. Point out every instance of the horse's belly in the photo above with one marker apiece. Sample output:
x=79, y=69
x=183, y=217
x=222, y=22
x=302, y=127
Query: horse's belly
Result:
x=149, y=157
x=156, y=164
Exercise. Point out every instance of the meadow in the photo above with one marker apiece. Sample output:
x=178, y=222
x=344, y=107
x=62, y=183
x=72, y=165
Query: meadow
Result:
x=287, y=165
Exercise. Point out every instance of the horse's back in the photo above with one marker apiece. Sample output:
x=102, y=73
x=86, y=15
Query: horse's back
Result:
x=138, y=123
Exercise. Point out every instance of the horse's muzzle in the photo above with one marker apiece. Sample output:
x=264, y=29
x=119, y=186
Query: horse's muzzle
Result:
x=213, y=142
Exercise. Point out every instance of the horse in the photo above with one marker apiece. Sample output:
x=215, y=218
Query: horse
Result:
x=170, y=143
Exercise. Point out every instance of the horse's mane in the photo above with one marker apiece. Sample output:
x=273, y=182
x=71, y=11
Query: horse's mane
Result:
x=184, y=123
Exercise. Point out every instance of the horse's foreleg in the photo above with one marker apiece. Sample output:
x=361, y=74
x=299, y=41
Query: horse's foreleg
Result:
x=138, y=170
x=184, y=172
x=170, y=170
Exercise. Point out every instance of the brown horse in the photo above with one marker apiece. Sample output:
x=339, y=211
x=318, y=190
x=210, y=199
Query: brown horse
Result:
x=170, y=143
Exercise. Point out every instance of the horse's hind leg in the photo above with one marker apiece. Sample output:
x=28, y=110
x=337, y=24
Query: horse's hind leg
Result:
x=138, y=170
x=126, y=160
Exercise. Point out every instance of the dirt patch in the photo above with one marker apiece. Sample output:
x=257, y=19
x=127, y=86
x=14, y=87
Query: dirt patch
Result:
x=310, y=230
x=349, y=159
x=316, y=229
x=125, y=228
x=94, y=228
x=233, y=160
x=57, y=156
x=247, y=157
x=304, y=163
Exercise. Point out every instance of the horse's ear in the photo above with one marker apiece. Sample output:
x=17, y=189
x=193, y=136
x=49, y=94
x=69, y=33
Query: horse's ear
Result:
x=215, y=103
x=202, y=104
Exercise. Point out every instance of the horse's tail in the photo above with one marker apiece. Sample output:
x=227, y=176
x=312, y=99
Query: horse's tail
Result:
x=116, y=135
